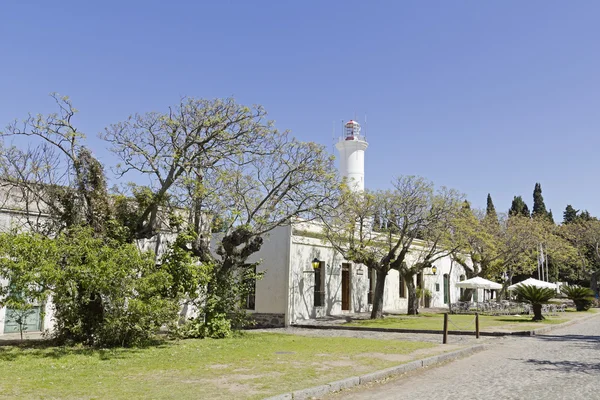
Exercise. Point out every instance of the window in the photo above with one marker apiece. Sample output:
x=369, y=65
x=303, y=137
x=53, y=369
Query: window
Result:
x=250, y=290
x=371, y=286
x=420, y=280
x=402, y=286
x=319, y=289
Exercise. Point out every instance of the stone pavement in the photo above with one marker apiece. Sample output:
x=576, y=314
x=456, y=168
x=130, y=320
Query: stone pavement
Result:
x=564, y=364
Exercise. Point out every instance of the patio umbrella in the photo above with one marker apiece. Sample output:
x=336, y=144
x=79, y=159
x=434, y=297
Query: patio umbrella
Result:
x=479, y=283
x=533, y=282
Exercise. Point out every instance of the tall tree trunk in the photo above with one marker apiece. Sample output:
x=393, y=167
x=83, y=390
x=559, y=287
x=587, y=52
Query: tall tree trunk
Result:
x=503, y=294
x=377, y=311
x=413, y=300
x=594, y=282
x=537, y=312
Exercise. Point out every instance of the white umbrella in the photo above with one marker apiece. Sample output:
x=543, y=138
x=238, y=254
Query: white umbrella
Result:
x=533, y=282
x=479, y=283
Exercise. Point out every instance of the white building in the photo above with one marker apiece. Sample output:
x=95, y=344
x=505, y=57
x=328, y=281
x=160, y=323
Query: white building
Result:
x=292, y=291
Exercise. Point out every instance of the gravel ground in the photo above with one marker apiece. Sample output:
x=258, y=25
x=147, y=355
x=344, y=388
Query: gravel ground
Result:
x=564, y=364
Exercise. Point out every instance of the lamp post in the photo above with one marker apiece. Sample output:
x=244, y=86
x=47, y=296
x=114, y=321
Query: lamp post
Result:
x=316, y=263
x=434, y=269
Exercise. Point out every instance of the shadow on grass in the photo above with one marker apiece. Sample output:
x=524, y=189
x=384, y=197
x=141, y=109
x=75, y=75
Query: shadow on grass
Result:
x=511, y=320
x=12, y=351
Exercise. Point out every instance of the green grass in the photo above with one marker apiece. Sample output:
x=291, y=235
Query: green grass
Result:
x=253, y=365
x=458, y=322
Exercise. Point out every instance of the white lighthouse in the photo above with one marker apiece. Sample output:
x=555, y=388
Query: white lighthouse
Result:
x=352, y=156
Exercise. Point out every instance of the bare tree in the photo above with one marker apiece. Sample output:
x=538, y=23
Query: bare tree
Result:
x=220, y=161
x=51, y=178
x=416, y=221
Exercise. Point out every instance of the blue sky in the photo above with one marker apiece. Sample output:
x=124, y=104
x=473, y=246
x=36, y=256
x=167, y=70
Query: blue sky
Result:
x=481, y=96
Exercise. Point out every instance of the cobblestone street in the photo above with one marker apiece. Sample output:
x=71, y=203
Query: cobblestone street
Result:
x=563, y=364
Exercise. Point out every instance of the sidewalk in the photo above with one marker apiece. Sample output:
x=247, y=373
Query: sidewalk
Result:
x=10, y=339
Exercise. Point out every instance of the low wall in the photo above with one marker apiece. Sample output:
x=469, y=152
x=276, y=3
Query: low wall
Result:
x=268, y=320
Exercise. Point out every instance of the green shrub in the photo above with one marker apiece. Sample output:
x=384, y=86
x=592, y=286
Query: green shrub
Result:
x=581, y=296
x=104, y=293
x=218, y=327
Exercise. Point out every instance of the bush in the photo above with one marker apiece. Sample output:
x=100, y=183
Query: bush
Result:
x=581, y=296
x=104, y=293
x=219, y=327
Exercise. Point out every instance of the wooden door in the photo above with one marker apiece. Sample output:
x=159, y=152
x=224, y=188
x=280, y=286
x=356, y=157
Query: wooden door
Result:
x=345, y=287
x=446, y=288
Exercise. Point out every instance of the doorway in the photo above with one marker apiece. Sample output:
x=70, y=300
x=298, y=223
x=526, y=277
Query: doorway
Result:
x=345, y=287
x=446, y=288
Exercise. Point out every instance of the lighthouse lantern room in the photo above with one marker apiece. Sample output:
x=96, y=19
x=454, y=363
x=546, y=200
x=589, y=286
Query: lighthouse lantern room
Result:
x=352, y=155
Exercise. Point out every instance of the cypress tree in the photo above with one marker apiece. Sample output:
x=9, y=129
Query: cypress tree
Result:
x=570, y=214
x=518, y=207
x=539, y=208
x=585, y=216
x=490, y=211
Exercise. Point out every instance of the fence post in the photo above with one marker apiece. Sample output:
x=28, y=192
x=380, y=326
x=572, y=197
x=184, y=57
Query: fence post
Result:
x=477, y=325
x=445, y=340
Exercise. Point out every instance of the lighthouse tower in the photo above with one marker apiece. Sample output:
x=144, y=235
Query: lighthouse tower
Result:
x=352, y=156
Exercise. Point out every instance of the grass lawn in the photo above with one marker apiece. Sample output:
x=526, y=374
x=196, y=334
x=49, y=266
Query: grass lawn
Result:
x=463, y=322
x=251, y=366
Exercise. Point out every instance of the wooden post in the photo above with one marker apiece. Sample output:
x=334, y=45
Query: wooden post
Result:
x=477, y=325
x=445, y=340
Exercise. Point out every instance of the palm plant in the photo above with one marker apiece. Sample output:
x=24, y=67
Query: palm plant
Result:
x=582, y=297
x=536, y=297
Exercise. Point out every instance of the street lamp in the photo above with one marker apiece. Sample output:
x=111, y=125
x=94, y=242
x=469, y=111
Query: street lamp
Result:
x=316, y=263
x=434, y=269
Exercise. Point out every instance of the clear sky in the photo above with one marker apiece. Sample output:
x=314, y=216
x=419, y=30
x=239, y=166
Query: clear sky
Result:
x=482, y=96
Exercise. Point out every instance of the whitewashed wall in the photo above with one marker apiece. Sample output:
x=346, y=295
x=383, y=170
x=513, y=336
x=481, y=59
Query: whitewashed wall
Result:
x=274, y=257
x=443, y=267
x=302, y=281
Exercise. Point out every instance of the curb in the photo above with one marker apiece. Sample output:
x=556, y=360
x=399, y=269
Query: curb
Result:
x=322, y=390
x=397, y=330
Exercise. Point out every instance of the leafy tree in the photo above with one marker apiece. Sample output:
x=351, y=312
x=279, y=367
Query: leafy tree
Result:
x=518, y=207
x=584, y=236
x=536, y=297
x=493, y=248
x=417, y=219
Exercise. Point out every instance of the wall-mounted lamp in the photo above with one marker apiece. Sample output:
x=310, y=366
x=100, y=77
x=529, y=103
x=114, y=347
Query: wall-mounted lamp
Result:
x=359, y=270
x=316, y=263
x=434, y=269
